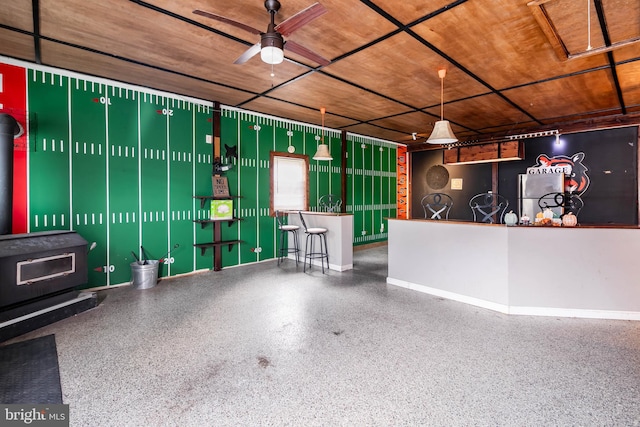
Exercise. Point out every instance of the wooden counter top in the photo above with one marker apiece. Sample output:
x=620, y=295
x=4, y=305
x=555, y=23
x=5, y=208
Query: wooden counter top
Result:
x=579, y=226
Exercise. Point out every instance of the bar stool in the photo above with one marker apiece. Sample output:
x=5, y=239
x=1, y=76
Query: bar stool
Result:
x=285, y=228
x=321, y=234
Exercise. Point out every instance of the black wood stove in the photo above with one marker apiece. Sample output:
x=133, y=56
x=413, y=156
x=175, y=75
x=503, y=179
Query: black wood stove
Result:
x=39, y=274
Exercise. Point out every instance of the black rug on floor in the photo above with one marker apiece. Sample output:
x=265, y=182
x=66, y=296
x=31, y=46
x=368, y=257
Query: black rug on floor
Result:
x=29, y=372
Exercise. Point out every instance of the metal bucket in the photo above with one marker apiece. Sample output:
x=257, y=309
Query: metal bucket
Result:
x=144, y=276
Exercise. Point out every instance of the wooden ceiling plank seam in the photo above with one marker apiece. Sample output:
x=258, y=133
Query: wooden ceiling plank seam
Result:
x=144, y=64
x=17, y=30
x=612, y=63
x=35, y=11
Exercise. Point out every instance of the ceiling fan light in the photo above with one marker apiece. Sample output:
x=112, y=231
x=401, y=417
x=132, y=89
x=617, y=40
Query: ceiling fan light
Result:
x=442, y=133
x=272, y=55
x=322, y=153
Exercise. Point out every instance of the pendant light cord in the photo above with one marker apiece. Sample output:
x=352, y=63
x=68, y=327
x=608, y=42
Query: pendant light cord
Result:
x=589, y=24
x=441, y=98
x=322, y=111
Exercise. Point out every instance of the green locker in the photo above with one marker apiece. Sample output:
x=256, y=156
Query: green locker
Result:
x=123, y=182
x=247, y=179
x=89, y=175
x=231, y=230
x=49, y=202
x=154, y=162
x=202, y=163
x=180, y=259
x=267, y=136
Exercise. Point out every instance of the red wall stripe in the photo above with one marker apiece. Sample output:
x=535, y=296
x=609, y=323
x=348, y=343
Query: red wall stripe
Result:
x=13, y=101
x=403, y=208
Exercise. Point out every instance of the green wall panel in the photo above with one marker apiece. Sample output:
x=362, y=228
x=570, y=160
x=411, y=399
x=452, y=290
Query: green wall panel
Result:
x=202, y=164
x=267, y=137
x=181, y=189
x=231, y=231
x=248, y=176
x=121, y=165
x=49, y=154
x=123, y=171
x=154, y=163
x=89, y=173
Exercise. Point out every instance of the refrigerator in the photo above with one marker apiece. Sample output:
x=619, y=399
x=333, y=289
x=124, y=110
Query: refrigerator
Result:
x=533, y=186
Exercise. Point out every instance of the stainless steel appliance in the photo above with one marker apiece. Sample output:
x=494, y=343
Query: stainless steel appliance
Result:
x=533, y=186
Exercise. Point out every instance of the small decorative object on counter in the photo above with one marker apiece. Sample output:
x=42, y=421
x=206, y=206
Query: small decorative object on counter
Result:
x=545, y=218
x=569, y=220
x=524, y=220
x=511, y=219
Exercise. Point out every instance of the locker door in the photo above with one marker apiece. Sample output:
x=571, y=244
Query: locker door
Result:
x=231, y=231
x=89, y=174
x=202, y=160
x=123, y=182
x=248, y=176
x=154, y=161
x=49, y=182
x=180, y=259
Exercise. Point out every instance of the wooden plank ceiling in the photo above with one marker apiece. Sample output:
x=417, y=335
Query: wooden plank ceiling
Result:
x=512, y=65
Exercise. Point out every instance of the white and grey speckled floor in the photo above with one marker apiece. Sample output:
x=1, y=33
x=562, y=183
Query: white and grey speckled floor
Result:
x=267, y=345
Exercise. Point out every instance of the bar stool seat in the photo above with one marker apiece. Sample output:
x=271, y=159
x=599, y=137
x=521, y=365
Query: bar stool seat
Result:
x=309, y=252
x=284, y=251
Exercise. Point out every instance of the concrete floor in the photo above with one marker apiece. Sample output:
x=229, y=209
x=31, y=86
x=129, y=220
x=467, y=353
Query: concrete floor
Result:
x=270, y=345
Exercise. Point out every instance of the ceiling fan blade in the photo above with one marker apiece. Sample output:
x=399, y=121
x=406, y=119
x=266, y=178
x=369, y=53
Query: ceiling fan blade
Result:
x=301, y=18
x=227, y=21
x=303, y=51
x=248, y=54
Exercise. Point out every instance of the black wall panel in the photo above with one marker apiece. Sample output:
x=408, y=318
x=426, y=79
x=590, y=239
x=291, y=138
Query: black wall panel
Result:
x=605, y=164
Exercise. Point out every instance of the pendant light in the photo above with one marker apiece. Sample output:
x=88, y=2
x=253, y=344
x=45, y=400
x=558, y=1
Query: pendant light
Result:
x=323, y=149
x=442, y=133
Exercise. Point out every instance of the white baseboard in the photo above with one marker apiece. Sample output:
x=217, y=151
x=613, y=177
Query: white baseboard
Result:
x=526, y=311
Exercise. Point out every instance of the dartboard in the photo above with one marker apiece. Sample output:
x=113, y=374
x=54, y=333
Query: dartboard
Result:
x=437, y=177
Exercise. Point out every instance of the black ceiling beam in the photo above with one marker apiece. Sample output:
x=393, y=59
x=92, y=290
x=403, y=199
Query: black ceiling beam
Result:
x=35, y=12
x=408, y=30
x=311, y=70
x=612, y=63
x=143, y=64
x=190, y=21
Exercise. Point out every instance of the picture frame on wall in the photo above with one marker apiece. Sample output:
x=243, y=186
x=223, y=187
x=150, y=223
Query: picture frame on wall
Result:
x=220, y=186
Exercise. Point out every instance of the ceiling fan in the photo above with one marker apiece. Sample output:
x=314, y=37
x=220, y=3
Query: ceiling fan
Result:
x=272, y=42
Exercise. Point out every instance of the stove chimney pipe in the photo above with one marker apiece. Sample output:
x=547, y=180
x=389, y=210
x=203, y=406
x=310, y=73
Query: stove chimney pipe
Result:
x=8, y=129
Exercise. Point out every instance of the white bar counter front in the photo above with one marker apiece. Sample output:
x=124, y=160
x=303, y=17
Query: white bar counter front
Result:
x=591, y=272
x=339, y=236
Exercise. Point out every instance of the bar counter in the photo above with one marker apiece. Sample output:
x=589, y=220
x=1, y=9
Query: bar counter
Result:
x=591, y=271
x=339, y=236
